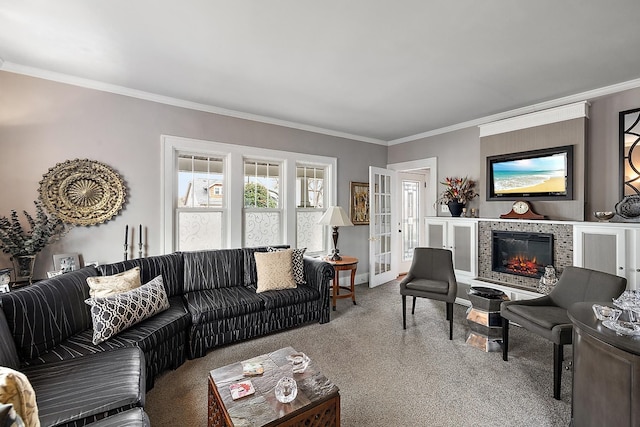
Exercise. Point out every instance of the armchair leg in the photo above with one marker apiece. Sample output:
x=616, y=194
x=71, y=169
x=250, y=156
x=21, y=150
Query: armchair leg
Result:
x=505, y=339
x=557, y=369
x=413, y=306
x=404, y=312
x=450, y=319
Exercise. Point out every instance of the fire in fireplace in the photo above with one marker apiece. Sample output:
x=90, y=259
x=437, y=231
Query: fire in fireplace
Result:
x=522, y=254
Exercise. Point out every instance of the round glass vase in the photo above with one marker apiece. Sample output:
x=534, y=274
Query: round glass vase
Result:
x=286, y=390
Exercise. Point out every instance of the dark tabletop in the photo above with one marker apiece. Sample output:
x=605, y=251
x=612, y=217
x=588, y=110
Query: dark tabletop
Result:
x=582, y=316
x=262, y=407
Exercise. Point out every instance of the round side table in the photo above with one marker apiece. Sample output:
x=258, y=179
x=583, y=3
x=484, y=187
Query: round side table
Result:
x=347, y=263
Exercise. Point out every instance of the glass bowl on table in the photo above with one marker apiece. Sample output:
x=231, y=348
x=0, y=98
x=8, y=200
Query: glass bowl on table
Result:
x=604, y=312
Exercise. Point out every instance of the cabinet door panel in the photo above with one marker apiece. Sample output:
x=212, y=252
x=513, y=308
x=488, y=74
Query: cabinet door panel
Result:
x=462, y=248
x=600, y=252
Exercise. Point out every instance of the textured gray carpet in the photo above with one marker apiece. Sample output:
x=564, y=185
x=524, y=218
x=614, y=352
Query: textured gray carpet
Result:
x=393, y=377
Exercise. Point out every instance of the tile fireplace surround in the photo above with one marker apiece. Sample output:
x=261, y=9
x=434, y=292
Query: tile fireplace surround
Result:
x=562, y=249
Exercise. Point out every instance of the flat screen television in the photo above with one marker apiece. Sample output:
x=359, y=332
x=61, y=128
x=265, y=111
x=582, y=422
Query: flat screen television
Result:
x=545, y=174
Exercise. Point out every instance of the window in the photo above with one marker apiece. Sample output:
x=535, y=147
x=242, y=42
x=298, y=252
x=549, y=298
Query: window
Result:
x=262, y=210
x=219, y=195
x=310, y=202
x=200, y=212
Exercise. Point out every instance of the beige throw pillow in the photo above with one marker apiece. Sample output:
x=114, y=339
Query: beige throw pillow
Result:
x=16, y=390
x=105, y=286
x=274, y=270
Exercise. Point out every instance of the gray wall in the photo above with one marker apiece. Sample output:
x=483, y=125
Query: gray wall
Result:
x=568, y=132
x=603, y=185
x=43, y=123
x=457, y=154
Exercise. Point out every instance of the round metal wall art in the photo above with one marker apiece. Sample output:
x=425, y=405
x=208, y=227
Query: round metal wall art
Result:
x=82, y=192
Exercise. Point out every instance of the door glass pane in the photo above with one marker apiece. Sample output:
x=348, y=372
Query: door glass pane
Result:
x=199, y=230
x=410, y=218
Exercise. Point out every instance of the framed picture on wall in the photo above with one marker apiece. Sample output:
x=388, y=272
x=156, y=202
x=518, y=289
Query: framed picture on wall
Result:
x=359, y=203
x=66, y=262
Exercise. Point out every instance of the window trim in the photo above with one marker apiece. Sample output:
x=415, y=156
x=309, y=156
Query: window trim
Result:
x=234, y=156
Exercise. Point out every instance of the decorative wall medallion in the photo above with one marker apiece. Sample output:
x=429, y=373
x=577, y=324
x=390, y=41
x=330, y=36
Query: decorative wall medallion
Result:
x=629, y=207
x=82, y=192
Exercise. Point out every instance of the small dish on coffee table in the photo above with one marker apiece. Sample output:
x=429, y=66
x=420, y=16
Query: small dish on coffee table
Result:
x=622, y=327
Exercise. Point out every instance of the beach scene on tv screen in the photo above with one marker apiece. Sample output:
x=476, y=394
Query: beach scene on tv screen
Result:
x=536, y=175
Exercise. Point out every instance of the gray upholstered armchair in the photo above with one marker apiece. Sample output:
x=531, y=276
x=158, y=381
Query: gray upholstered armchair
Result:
x=430, y=276
x=547, y=315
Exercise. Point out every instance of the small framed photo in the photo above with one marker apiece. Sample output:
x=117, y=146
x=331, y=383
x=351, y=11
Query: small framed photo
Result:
x=51, y=274
x=66, y=262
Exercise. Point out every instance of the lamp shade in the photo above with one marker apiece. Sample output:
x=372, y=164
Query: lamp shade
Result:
x=336, y=217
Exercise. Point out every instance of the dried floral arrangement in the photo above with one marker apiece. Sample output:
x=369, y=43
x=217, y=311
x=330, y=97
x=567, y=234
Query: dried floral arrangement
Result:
x=16, y=240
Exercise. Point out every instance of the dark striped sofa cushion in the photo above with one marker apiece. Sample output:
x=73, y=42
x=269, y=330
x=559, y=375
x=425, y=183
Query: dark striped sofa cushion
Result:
x=8, y=353
x=78, y=391
x=43, y=315
x=169, y=266
x=213, y=269
x=135, y=417
x=283, y=297
x=147, y=334
x=212, y=304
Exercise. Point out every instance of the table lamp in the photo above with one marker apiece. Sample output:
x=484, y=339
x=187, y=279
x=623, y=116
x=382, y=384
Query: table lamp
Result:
x=336, y=217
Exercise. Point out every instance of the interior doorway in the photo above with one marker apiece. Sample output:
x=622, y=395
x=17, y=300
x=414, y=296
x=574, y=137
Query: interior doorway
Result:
x=412, y=197
x=427, y=170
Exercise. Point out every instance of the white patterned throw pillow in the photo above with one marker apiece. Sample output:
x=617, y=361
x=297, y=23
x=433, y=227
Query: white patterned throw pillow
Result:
x=297, y=263
x=114, y=314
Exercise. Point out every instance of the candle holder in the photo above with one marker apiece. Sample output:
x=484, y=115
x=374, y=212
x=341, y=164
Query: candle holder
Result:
x=140, y=250
x=126, y=250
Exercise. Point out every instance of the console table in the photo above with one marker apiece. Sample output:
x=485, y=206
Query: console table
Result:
x=606, y=372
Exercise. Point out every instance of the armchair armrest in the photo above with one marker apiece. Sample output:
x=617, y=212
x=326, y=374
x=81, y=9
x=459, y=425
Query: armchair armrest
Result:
x=318, y=273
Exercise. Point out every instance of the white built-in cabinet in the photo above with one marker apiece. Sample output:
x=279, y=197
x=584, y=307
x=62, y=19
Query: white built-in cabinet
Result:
x=460, y=236
x=612, y=248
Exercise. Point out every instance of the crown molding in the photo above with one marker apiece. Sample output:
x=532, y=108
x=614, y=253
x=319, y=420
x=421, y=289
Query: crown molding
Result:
x=176, y=102
x=538, y=118
x=580, y=97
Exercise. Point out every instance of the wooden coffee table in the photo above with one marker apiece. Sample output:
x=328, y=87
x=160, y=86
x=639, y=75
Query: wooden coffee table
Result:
x=316, y=405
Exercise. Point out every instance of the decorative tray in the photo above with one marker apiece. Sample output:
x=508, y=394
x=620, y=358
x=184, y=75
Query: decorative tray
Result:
x=622, y=327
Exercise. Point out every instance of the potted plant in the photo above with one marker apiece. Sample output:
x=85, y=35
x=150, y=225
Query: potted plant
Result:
x=457, y=193
x=23, y=245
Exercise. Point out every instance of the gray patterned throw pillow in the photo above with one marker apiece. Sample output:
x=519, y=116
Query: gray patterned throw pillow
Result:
x=116, y=313
x=297, y=261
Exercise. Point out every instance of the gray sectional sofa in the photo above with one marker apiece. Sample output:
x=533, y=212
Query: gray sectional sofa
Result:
x=212, y=302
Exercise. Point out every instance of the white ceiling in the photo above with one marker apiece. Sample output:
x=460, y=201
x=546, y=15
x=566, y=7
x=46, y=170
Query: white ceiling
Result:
x=380, y=69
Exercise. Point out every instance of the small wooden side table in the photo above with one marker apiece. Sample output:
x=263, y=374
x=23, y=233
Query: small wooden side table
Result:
x=345, y=264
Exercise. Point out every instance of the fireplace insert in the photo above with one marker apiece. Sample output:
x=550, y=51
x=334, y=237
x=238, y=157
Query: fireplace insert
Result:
x=521, y=253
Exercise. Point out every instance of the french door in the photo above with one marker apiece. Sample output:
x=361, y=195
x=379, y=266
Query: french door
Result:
x=381, y=225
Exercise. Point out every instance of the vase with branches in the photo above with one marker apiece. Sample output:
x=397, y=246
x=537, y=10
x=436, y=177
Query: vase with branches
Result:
x=457, y=193
x=24, y=244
